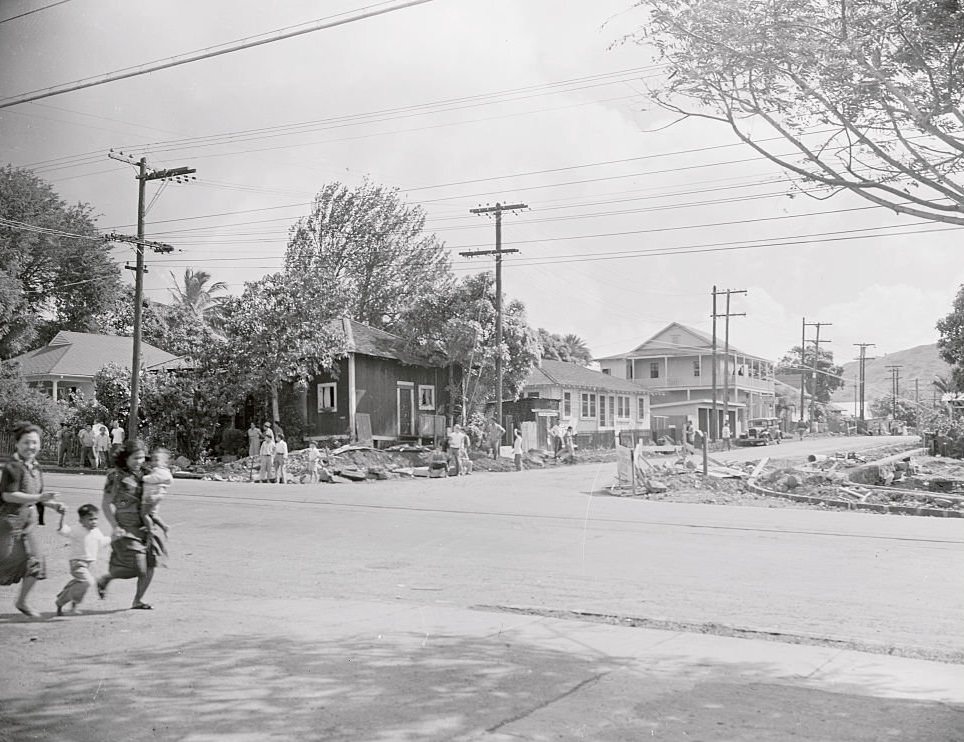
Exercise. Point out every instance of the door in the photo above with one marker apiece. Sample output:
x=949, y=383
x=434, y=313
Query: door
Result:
x=406, y=409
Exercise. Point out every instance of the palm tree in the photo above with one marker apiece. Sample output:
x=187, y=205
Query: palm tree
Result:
x=197, y=296
x=576, y=349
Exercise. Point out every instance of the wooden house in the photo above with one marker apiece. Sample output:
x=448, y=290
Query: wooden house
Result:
x=379, y=391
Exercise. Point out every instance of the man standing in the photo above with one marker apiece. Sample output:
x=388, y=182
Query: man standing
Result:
x=116, y=438
x=495, y=433
x=725, y=436
x=456, y=439
x=689, y=437
x=555, y=440
x=86, y=446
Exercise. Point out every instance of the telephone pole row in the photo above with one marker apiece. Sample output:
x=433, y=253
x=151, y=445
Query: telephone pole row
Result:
x=715, y=426
x=895, y=386
x=803, y=368
x=144, y=174
x=862, y=370
x=498, y=210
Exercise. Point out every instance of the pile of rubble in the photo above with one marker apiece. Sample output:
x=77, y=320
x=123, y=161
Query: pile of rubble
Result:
x=903, y=482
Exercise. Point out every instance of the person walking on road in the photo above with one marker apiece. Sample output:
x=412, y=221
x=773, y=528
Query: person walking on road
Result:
x=131, y=555
x=725, y=436
x=21, y=487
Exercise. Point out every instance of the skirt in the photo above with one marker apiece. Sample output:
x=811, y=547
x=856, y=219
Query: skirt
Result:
x=20, y=554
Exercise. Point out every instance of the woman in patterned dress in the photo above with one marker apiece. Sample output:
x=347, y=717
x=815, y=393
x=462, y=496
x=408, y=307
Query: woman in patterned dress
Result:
x=21, y=488
x=130, y=555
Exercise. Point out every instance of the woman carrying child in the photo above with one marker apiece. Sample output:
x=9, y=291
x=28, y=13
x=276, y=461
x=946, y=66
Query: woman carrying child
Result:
x=131, y=555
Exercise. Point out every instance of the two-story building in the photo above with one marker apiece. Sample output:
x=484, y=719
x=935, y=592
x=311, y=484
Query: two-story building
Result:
x=590, y=401
x=677, y=362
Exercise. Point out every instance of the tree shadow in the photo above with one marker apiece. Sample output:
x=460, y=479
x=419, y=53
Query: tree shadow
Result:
x=239, y=687
x=17, y=617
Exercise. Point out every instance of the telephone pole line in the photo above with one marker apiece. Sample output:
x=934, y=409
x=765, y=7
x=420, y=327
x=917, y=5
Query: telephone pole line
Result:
x=895, y=386
x=726, y=354
x=498, y=210
x=144, y=174
x=862, y=370
x=816, y=361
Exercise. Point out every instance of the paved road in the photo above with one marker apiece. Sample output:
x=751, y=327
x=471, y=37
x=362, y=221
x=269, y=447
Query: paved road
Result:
x=418, y=610
x=798, y=450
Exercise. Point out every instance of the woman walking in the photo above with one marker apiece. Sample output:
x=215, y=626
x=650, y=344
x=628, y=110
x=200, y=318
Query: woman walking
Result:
x=131, y=555
x=21, y=487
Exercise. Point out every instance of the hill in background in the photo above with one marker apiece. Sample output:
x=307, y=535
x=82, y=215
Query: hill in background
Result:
x=921, y=363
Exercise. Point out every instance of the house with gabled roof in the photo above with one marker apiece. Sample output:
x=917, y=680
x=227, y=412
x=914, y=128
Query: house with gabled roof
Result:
x=677, y=362
x=67, y=363
x=379, y=390
x=590, y=401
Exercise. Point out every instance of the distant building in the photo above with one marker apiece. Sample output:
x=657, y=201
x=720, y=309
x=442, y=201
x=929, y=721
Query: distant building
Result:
x=67, y=363
x=677, y=362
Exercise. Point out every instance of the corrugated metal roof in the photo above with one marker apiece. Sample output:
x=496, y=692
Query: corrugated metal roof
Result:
x=560, y=373
x=84, y=354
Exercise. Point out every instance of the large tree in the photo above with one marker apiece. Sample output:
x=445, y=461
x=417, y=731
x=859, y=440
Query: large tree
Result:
x=279, y=330
x=829, y=376
x=570, y=348
x=373, y=245
x=950, y=343
x=460, y=324
x=843, y=94
x=56, y=272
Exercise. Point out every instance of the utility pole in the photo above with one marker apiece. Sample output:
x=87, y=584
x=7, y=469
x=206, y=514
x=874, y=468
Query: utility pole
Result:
x=498, y=210
x=816, y=361
x=726, y=348
x=863, y=374
x=895, y=386
x=715, y=427
x=144, y=174
x=803, y=364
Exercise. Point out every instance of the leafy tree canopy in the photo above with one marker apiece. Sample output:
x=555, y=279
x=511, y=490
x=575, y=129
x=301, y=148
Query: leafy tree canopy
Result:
x=197, y=295
x=829, y=376
x=864, y=96
x=374, y=247
x=569, y=348
x=48, y=281
x=950, y=343
x=461, y=324
x=19, y=402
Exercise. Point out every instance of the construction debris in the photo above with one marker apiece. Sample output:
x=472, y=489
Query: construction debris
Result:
x=899, y=481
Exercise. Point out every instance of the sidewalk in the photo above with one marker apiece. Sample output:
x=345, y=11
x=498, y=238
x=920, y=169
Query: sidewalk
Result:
x=311, y=669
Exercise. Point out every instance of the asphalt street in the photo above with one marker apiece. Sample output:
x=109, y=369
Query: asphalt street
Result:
x=500, y=606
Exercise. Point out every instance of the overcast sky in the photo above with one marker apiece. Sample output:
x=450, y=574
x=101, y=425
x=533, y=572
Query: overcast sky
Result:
x=460, y=103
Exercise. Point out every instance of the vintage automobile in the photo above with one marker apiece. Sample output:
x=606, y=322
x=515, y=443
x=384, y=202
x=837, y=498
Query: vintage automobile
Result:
x=761, y=432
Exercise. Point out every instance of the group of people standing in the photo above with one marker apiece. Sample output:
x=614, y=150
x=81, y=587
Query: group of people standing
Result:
x=130, y=501
x=269, y=447
x=98, y=445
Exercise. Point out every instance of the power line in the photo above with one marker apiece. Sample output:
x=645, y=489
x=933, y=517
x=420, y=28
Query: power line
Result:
x=35, y=10
x=319, y=25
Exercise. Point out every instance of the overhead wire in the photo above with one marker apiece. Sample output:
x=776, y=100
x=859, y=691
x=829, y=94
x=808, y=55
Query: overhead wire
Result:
x=35, y=10
x=207, y=53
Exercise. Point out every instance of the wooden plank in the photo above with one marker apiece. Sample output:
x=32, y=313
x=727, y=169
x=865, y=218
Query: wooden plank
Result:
x=759, y=467
x=363, y=429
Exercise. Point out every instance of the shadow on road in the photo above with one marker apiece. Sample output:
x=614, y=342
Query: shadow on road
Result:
x=407, y=686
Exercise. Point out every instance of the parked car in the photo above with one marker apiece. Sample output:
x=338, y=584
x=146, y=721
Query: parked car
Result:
x=761, y=432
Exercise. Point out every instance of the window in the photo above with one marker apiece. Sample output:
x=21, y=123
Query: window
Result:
x=532, y=395
x=622, y=408
x=588, y=405
x=426, y=397
x=567, y=404
x=629, y=369
x=654, y=369
x=697, y=367
x=327, y=398
x=607, y=371
x=642, y=408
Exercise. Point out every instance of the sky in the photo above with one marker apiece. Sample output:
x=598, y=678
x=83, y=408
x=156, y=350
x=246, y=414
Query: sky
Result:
x=460, y=104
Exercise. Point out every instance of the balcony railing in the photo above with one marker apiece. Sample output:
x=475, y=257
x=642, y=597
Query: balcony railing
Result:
x=705, y=381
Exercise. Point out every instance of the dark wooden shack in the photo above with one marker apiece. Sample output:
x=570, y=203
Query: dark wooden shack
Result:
x=380, y=390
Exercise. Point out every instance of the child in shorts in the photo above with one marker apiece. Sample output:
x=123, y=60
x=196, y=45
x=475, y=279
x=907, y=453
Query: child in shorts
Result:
x=85, y=541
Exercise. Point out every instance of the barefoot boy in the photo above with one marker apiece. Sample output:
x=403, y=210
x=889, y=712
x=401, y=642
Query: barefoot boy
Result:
x=85, y=541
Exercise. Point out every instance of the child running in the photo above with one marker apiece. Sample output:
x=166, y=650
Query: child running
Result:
x=85, y=542
x=156, y=483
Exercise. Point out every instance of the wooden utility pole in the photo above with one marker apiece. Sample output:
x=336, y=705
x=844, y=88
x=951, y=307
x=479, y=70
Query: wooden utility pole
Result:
x=498, y=210
x=803, y=365
x=144, y=174
x=862, y=370
x=816, y=369
x=715, y=427
x=726, y=348
x=895, y=387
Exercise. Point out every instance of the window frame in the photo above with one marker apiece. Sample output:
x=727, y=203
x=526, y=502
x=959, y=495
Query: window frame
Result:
x=623, y=407
x=654, y=369
x=587, y=406
x=431, y=389
x=567, y=405
x=322, y=389
x=641, y=409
